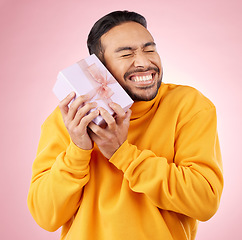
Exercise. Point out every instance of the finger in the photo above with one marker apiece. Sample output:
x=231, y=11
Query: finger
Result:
x=63, y=105
x=75, y=105
x=95, y=138
x=108, y=118
x=127, y=118
x=82, y=111
x=97, y=130
x=120, y=114
x=91, y=134
x=87, y=120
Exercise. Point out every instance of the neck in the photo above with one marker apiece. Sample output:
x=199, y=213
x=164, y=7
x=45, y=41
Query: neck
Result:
x=140, y=108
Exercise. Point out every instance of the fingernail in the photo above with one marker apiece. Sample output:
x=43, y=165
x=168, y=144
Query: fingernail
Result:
x=87, y=96
x=111, y=104
x=100, y=109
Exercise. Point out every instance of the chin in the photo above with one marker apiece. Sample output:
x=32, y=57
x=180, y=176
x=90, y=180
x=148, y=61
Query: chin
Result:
x=145, y=96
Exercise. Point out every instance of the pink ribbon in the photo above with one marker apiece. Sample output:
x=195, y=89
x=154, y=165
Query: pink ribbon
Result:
x=99, y=80
x=102, y=89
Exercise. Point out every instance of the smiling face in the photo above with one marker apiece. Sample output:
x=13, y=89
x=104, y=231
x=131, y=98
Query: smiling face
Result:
x=129, y=53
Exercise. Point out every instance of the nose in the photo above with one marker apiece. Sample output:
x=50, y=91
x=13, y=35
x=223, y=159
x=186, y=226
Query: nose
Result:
x=141, y=61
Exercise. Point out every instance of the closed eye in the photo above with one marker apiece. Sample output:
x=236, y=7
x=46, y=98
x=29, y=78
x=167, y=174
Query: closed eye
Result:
x=127, y=55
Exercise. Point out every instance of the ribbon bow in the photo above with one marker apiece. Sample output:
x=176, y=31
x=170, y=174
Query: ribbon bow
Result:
x=102, y=89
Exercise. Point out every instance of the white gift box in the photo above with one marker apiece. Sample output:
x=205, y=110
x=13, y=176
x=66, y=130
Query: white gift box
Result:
x=90, y=76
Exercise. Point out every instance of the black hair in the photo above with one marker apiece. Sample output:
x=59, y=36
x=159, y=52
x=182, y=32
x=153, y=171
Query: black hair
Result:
x=107, y=22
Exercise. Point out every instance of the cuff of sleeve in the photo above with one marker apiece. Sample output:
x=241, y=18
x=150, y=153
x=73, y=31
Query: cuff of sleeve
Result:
x=76, y=157
x=124, y=156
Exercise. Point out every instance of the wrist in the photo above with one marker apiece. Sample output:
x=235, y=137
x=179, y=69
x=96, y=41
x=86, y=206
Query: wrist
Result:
x=87, y=145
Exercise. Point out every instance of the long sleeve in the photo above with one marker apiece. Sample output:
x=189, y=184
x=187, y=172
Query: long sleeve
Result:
x=60, y=171
x=192, y=183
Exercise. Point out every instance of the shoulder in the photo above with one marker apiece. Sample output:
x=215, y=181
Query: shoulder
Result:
x=54, y=118
x=184, y=102
x=185, y=96
x=54, y=123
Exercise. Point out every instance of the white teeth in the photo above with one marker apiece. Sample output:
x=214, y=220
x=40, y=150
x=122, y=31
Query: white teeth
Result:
x=142, y=78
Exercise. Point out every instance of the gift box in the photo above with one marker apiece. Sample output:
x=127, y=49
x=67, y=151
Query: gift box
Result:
x=90, y=76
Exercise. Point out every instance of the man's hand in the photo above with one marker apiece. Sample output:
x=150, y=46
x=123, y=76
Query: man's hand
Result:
x=77, y=117
x=114, y=134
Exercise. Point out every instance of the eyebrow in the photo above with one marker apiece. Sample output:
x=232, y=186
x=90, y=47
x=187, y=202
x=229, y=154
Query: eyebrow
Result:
x=149, y=44
x=120, y=49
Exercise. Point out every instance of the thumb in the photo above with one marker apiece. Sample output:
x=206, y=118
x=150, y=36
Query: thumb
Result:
x=127, y=118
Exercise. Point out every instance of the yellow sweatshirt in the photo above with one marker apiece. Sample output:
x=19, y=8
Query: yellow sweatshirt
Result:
x=165, y=177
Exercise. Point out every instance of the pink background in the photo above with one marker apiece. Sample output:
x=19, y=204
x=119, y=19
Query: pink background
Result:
x=200, y=43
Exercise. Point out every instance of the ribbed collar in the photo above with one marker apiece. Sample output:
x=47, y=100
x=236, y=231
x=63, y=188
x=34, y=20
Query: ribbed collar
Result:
x=140, y=108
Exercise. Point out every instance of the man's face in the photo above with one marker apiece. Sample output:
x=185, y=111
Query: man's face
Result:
x=130, y=55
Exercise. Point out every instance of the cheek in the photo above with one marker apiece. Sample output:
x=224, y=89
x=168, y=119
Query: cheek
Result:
x=117, y=69
x=156, y=60
x=115, y=72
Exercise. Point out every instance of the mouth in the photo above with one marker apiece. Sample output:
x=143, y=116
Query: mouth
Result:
x=143, y=78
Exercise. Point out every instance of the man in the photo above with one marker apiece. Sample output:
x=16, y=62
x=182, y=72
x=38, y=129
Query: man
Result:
x=149, y=173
